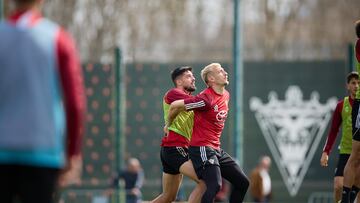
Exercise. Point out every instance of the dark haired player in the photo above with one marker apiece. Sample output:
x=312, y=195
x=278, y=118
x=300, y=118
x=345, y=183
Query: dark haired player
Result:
x=174, y=146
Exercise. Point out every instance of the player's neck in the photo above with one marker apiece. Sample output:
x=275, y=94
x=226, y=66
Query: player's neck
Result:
x=218, y=89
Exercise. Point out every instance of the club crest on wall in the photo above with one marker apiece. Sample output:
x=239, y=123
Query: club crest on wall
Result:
x=292, y=129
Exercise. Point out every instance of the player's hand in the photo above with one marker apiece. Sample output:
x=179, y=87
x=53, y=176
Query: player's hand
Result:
x=135, y=191
x=71, y=174
x=166, y=130
x=324, y=159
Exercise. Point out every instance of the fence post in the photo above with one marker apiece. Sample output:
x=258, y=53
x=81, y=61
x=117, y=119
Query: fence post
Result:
x=351, y=62
x=1, y=9
x=238, y=84
x=119, y=118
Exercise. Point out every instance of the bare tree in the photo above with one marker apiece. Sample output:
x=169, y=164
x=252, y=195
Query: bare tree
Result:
x=197, y=30
x=301, y=29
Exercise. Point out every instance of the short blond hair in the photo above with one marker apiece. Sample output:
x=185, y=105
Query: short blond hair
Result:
x=205, y=71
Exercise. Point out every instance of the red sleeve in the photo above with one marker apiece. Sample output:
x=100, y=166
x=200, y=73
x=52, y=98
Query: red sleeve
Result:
x=351, y=101
x=73, y=91
x=357, y=50
x=176, y=94
x=200, y=102
x=334, y=129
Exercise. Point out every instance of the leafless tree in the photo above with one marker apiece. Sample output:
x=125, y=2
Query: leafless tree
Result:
x=195, y=30
x=300, y=29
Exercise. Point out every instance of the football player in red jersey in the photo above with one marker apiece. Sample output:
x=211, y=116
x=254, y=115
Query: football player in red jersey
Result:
x=174, y=145
x=210, y=162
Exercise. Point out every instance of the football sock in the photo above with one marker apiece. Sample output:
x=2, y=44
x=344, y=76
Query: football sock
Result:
x=345, y=195
x=353, y=193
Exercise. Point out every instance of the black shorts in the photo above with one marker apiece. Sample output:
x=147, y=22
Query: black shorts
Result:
x=172, y=158
x=202, y=157
x=28, y=183
x=355, y=112
x=339, y=170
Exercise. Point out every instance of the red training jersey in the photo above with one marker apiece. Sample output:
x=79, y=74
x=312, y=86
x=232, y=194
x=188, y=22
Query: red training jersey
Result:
x=335, y=125
x=211, y=110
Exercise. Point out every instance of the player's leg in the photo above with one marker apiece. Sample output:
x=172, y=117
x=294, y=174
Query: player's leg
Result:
x=232, y=172
x=338, y=187
x=207, y=168
x=187, y=169
x=355, y=195
x=350, y=170
x=197, y=193
x=170, y=184
x=357, y=184
x=171, y=159
x=339, y=176
x=211, y=175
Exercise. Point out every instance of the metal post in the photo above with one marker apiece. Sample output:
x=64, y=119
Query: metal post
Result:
x=118, y=109
x=351, y=62
x=238, y=87
x=119, y=118
x=1, y=9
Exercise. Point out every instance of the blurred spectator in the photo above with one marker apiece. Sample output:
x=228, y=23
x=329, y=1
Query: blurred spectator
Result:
x=133, y=177
x=260, y=182
x=42, y=106
x=222, y=195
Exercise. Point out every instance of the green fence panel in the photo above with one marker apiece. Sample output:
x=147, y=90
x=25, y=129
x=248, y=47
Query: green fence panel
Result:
x=315, y=83
x=288, y=106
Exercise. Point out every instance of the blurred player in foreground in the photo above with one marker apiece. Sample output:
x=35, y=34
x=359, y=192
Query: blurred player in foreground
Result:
x=42, y=106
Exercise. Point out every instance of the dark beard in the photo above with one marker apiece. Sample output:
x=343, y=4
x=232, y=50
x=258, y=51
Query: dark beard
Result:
x=190, y=89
